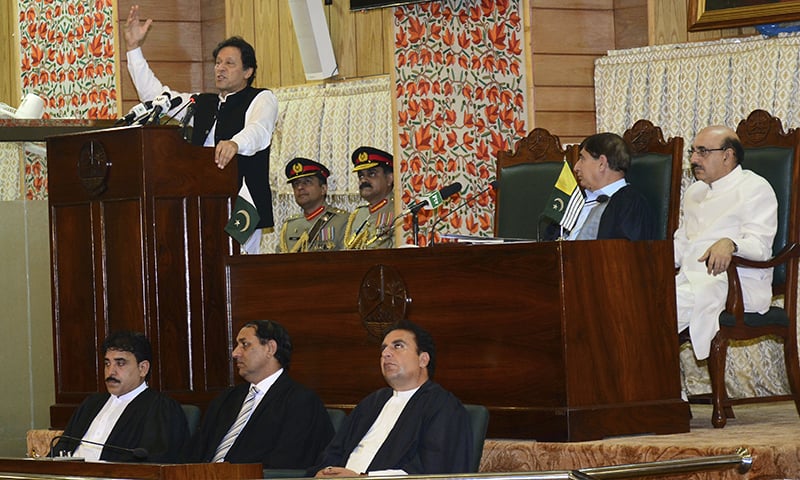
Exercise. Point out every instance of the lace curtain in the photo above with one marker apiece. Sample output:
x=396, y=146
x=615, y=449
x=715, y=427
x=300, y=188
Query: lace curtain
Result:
x=326, y=122
x=683, y=88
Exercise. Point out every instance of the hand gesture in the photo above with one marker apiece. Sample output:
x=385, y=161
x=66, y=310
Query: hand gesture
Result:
x=135, y=30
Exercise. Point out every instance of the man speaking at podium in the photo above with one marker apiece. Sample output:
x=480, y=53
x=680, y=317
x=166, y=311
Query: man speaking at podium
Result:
x=130, y=422
x=238, y=122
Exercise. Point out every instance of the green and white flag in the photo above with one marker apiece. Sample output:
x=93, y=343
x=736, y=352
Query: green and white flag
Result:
x=567, y=200
x=245, y=217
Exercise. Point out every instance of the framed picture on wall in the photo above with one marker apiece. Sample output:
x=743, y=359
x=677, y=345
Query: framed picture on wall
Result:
x=713, y=14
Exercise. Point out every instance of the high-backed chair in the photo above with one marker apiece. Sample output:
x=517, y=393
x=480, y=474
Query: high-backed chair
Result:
x=192, y=413
x=526, y=178
x=337, y=417
x=655, y=171
x=775, y=155
x=479, y=420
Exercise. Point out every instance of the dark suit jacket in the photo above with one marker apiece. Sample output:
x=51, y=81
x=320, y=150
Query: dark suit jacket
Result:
x=151, y=421
x=433, y=434
x=287, y=430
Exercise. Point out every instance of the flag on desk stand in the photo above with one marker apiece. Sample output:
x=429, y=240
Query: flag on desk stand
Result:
x=245, y=217
x=566, y=201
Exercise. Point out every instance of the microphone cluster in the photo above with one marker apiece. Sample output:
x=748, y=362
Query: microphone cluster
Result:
x=149, y=112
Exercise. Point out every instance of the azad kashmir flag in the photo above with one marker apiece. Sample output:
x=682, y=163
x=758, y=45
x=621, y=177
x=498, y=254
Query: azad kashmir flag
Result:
x=245, y=217
x=567, y=200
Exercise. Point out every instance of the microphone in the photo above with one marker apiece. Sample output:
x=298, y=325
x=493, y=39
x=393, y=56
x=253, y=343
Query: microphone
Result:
x=493, y=185
x=177, y=112
x=135, y=113
x=187, y=118
x=161, y=103
x=136, y=453
x=433, y=200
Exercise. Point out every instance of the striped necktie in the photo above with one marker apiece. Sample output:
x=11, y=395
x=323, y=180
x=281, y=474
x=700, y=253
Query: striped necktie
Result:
x=238, y=425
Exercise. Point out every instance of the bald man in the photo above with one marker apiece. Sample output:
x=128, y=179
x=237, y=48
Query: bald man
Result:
x=728, y=211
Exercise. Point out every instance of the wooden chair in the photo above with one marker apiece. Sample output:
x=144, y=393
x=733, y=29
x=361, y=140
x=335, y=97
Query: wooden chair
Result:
x=526, y=178
x=775, y=155
x=655, y=170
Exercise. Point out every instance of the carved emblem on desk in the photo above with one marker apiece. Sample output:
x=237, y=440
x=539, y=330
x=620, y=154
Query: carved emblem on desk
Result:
x=382, y=299
x=93, y=167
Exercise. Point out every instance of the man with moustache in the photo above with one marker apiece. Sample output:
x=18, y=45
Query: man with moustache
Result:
x=269, y=419
x=130, y=415
x=412, y=427
x=614, y=208
x=238, y=121
x=729, y=210
x=320, y=227
x=372, y=225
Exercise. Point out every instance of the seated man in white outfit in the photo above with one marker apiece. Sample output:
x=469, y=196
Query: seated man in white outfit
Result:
x=728, y=211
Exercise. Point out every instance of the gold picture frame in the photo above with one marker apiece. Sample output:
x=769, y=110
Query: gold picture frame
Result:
x=713, y=14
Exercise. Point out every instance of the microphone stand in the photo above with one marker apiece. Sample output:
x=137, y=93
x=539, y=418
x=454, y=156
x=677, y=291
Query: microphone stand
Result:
x=415, y=226
x=432, y=238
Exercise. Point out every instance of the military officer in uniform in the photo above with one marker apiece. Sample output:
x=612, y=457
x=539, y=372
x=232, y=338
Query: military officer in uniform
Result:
x=320, y=227
x=372, y=225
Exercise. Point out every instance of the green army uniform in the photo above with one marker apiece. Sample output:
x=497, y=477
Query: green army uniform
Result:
x=323, y=232
x=371, y=229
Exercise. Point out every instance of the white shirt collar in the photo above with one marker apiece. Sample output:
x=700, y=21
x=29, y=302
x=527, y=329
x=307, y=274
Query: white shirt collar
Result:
x=132, y=394
x=264, y=385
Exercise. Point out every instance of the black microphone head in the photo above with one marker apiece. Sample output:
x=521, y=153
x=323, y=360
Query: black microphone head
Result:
x=494, y=185
x=175, y=102
x=602, y=198
x=450, y=190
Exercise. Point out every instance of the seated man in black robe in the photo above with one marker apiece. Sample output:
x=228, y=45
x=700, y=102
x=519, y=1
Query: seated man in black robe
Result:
x=614, y=208
x=269, y=419
x=413, y=427
x=131, y=422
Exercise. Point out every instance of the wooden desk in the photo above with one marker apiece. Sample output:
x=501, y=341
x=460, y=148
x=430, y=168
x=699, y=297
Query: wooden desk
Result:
x=192, y=471
x=562, y=341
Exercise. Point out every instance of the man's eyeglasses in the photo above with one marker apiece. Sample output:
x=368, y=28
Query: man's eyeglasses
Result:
x=703, y=151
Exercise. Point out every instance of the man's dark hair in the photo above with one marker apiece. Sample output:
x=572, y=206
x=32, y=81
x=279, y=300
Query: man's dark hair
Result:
x=267, y=330
x=247, y=51
x=133, y=342
x=612, y=146
x=736, y=145
x=422, y=337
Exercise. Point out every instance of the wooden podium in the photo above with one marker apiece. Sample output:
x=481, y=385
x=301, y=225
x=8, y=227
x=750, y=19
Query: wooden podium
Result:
x=137, y=243
x=45, y=468
x=562, y=341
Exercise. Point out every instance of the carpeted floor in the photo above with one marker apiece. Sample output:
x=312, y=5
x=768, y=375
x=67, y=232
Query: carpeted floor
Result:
x=771, y=432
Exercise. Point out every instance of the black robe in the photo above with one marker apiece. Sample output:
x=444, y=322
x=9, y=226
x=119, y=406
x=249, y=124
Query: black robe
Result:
x=287, y=430
x=628, y=216
x=432, y=436
x=152, y=421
